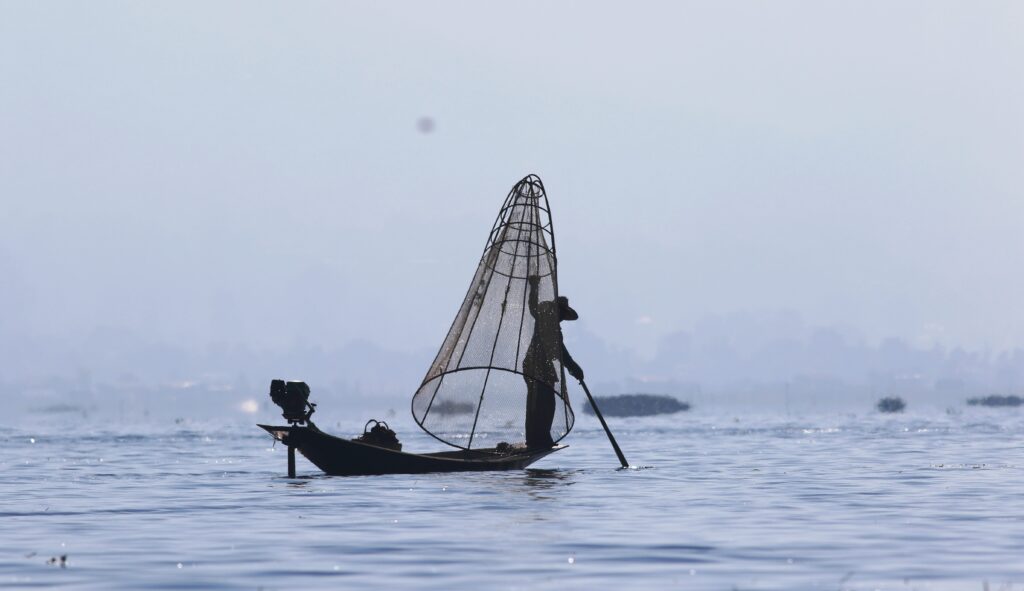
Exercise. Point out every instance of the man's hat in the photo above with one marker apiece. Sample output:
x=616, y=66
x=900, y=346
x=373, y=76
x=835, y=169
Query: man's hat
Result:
x=564, y=311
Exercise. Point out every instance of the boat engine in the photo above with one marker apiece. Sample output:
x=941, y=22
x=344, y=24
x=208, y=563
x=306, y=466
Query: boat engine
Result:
x=293, y=398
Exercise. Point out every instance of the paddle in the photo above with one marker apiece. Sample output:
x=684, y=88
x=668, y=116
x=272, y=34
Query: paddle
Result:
x=600, y=417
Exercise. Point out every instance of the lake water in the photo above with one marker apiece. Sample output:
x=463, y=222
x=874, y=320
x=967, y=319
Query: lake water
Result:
x=923, y=500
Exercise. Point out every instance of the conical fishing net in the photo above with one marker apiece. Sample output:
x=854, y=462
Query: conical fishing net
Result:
x=504, y=348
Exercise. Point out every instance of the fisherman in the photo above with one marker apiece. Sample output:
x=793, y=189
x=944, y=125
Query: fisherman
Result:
x=545, y=348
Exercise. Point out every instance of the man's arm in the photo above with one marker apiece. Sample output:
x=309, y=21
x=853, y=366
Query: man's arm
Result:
x=570, y=364
x=534, y=281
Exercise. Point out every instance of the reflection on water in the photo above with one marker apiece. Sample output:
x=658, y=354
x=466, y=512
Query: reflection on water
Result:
x=918, y=501
x=544, y=484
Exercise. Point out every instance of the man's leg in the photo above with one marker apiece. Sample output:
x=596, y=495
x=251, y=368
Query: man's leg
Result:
x=531, y=412
x=545, y=414
x=540, y=411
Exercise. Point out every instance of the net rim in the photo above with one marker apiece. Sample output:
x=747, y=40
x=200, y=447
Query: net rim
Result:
x=442, y=375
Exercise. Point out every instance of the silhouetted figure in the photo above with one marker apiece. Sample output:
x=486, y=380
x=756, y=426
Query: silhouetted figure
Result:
x=545, y=348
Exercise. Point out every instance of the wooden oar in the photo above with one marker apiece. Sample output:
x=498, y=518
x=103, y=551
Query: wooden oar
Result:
x=600, y=417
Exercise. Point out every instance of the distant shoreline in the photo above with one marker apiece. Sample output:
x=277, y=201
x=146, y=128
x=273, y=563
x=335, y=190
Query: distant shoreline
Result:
x=637, y=405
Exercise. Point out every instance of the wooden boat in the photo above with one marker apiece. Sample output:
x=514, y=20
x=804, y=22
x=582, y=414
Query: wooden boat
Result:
x=502, y=367
x=348, y=457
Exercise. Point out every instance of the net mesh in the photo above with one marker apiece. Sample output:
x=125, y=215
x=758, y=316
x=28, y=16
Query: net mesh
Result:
x=505, y=339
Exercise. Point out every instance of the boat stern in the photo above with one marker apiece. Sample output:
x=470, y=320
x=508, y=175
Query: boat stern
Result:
x=277, y=432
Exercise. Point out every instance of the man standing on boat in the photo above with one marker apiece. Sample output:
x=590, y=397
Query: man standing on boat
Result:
x=545, y=348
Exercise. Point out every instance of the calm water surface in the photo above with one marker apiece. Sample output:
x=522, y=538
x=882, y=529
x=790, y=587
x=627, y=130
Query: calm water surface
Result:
x=843, y=501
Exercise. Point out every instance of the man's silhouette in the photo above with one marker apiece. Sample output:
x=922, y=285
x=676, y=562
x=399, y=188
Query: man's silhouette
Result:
x=545, y=348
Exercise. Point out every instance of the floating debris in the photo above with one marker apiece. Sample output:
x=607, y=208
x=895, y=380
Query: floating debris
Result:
x=996, y=400
x=891, y=404
x=637, y=405
x=61, y=561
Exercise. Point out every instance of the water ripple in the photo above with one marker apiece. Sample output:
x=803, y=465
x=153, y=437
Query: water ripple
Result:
x=762, y=502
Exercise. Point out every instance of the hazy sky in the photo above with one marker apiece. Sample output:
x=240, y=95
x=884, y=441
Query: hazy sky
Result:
x=252, y=173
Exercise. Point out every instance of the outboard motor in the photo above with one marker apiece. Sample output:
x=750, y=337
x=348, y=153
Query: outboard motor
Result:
x=293, y=398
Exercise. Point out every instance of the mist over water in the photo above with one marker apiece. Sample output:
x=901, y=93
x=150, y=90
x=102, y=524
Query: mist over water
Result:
x=756, y=193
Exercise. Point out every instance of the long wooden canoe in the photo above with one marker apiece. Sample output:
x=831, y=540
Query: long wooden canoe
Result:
x=346, y=457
